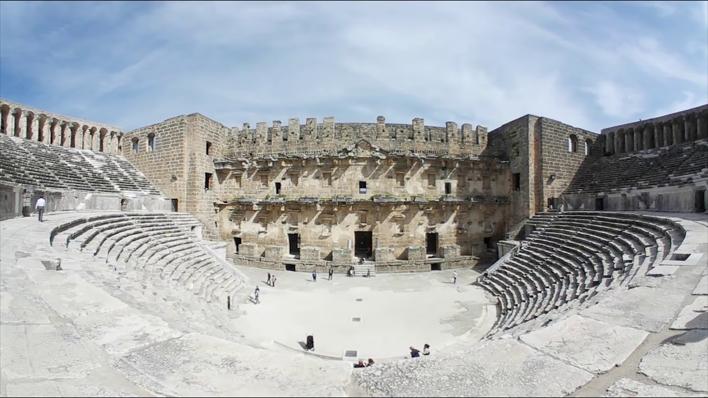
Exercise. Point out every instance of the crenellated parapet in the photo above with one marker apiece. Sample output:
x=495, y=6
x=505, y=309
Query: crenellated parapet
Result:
x=328, y=137
x=18, y=120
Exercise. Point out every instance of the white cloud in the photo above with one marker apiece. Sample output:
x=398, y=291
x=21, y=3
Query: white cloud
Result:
x=473, y=62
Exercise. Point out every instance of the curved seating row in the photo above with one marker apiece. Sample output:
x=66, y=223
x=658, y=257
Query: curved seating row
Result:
x=674, y=165
x=159, y=244
x=574, y=256
x=54, y=167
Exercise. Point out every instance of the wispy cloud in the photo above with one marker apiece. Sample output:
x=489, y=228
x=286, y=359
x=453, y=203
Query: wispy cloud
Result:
x=592, y=65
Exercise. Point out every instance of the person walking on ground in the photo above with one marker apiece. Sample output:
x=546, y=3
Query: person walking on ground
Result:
x=314, y=276
x=454, y=277
x=40, y=207
x=256, y=294
x=272, y=281
x=331, y=272
x=268, y=281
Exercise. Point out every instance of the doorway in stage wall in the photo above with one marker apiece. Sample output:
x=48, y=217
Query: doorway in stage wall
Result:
x=175, y=206
x=363, y=244
x=294, y=243
x=431, y=243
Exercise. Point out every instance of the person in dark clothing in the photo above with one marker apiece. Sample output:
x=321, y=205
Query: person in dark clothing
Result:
x=310, y=343
x=331, y=272
x=415, y=353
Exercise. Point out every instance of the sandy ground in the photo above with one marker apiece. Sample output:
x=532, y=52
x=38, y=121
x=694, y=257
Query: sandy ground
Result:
x=377, y=317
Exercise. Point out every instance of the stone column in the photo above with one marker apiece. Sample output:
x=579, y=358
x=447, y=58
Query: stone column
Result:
x=629, y=141
x=689, y=128
x=668, y=135
x=658, y=136
x=701, y=126
x=327, y=130
x=4, y=119
x=32, y=126
x=44, y=128
x=619, y=141
x=637, y=138
x=20, y=124
x=648, y=137
x=678, y=136
x=610, y=143
x=468, y=134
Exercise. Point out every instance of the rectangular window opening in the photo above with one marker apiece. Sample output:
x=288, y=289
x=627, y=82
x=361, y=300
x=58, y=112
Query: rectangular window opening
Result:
x=208, y=148
x=207, y=181
x=362, y=186
x=448, y=188
x=277, y=188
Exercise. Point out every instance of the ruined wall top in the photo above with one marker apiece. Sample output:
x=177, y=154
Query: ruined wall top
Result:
x=13, y=106
x=312, y=138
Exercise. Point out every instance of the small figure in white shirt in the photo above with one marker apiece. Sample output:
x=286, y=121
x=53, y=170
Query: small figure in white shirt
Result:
x=40, y=207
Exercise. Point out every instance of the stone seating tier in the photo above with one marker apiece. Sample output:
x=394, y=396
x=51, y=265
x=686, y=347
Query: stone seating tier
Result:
x=52, y=167
x=572, y=256
x=674, y=165
x=162, y=245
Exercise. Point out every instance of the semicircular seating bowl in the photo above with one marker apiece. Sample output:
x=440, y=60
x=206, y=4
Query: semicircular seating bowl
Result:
x=573, y=256
x=162, y=245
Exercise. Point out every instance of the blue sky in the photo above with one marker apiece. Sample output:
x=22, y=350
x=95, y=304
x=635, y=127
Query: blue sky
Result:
x=129, y=64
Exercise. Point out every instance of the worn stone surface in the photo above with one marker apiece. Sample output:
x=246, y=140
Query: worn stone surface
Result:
x=637, y=308
x=586, y=343
x=681, y=362
x=632, y=388
x=702, y=287
x=501, y=367
x=694, y=315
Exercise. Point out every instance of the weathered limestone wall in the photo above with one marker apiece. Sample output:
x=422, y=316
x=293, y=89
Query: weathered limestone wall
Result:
x=323, y=229
x=515, y=141
x=384, y=178
x=19, y=120
x=539, y=150
x=10, y=201
x=558, y=162
x=177, y=162
x=200, y=201
x=328, y=136
x=165, y=166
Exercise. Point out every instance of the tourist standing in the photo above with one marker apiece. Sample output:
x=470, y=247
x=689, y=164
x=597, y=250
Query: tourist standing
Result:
x=272, y=280
x=40, y=207
x=256, y=294
x=426, y=349
x=268, y=281
x=454, y=277
x=314, y=275
x=331, y=272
